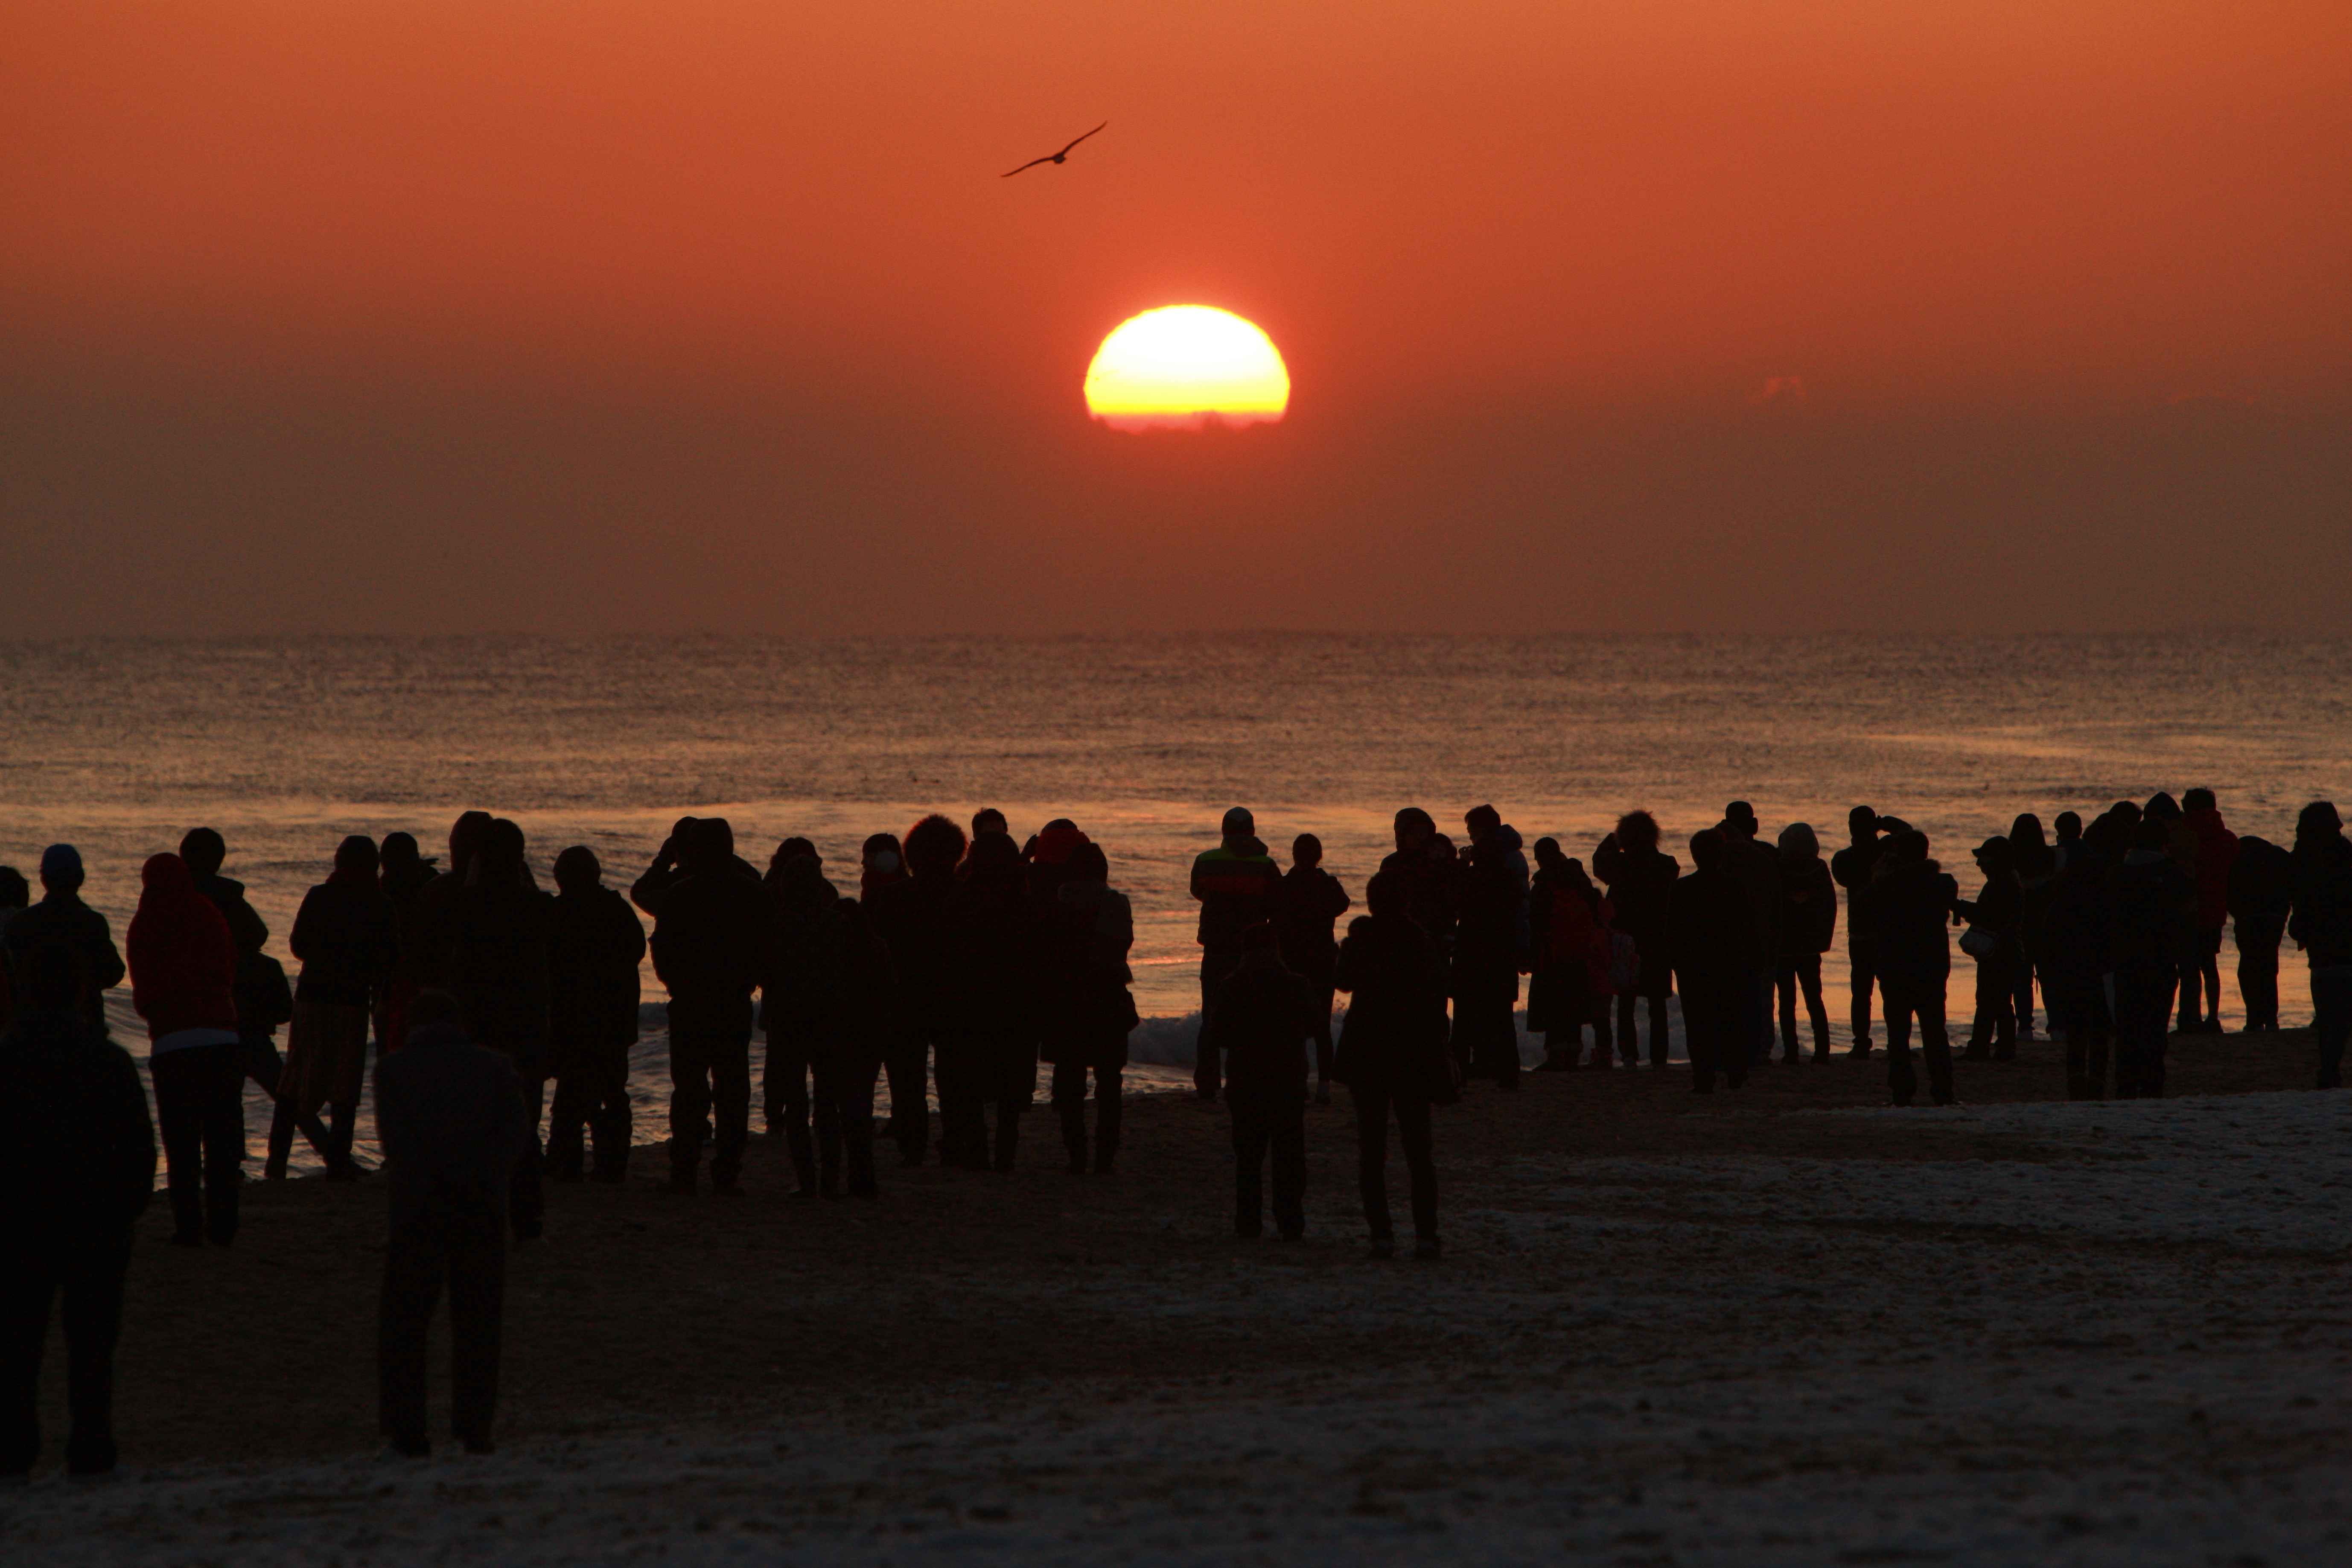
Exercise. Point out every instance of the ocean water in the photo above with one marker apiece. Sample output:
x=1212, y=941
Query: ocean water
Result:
x=286, y=746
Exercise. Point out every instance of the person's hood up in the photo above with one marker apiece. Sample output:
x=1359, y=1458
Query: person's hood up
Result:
x=1057, y=842
x=2207, y=821
x=168, y=876
x=1507, y=838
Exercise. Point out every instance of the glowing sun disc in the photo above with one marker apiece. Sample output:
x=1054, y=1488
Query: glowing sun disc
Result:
x=1180, y=366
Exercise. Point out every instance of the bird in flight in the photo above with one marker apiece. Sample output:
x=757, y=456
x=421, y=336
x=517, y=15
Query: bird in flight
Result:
x=1050, y=157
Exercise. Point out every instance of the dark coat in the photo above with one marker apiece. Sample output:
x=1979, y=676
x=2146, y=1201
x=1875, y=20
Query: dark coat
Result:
x=1306, y=904
x=2262, y=881
x=1266, y=1014
x=1641, y=883
x=595, y=943
x=344, y=935
x=2152, y=913
x=1394, y=1036
x=499, y=966
x=1430, y=887
x=1235, y=883
x=1712, y=937
x=1808, y=907
x=911, y=919
x=1490, y=926
x=1089, y=1012
x=64, y=919
x=828, y=978
x=2321, y=920
x=264, y=1000
x=711, y=947
x=77, y=1147
x=995, y=958
x=1856, y=868
x=1756, y=866
x=1910, y=908
x=2072, y=943
x=450, y=1115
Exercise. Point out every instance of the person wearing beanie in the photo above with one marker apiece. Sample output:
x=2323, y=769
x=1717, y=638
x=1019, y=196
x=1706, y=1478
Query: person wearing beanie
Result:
x=62, y=918
x=1235, y=883
x=184, y=983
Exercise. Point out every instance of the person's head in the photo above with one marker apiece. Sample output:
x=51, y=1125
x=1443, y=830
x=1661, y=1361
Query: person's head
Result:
x=992, y=855
x=433, y=1008
x=1891, y=825
x=166, y=875
x=1307, y=850
x=1089, y=864
x=934, y=845
x=1414, y=829
x=578, y=872
x=400, y=852
x=2198, y=799
x=2069, y=824
x=1481, y=820
x=2151, y=833
x=2317, y=821
x=54, y=979
x=204, y=849
x=1441, y=848
x=2162, y=807
x=987, y=821
x=61, y=869
x=1800, y=842
x=1862, y=823
x=1238, y=823
x=1996, y=856
x=14, y=892
x=466, y=836
x=1911, y=848
x=1258, y=938
x=1385, y=895
x=1739, y=818
x=356, y=858
x=791, y=849
x=1707, y=848
x=716, y=836
x=1547, y=855
x=2025, y=832
x=681, y=835
x=2128, y=810
x=880, y=855
x=503, y=851
x=1637, y=829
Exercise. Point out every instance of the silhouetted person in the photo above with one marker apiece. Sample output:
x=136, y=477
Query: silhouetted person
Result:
x=404, y=874
x=1756, y=866
x=1996, y=940
x=1641, y=879
x=2068, y=827
x=450, y=1115
x=2321, y=924
x=910, y=916
x=1423, y=867
x=1911, y=902
x=1711, y=932
x=986, y=823
x=343, y=936
x=62, y=917
x=2075, y=957
x=499, y=976
x=1089, y=1011
x=2153, y=933
x=426, y=947
x=15, y=894
x=711, y=945
x=2260, y=894
x=1807, y=924
x=2037, y=871
x=1393, y=1055
x=595, y=944
x=264, y=998
x=1490, y=939
x=2217, y=853
x=1047, y=858
x=1235, y=883
x=1307, y=905
x=906, y=1053
x=77, y=1167
x=1856, y=868
x=184, y=983
x=1569, y=931
x=1269, y=1010
x=826, y=1006
x=996, y=970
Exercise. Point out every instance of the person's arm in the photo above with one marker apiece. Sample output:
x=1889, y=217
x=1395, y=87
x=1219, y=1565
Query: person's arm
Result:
x=1198, y=892
x=133, y=1134
x=106, y=964
x=302, y=940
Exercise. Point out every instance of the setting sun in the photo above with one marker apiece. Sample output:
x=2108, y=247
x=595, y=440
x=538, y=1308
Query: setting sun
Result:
x=1180, y=366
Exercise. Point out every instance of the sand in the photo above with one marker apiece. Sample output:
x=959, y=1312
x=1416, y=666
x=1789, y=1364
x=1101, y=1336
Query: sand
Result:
x=1786, y=1326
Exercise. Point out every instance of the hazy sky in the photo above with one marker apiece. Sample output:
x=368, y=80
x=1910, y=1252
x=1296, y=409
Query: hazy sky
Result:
x=712, y=314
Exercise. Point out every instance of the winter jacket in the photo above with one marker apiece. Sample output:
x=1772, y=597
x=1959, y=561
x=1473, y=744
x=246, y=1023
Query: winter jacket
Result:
x=1807, y=906
x=595, y=943
x=2151, y=912
x=1431, y=887
x=2322, y=919
x=711, y=945
x=1088, y=931
x=1910, y=906
x=450, y=1116
x=1641, y=883
x=2262, y=881
x=76, y=1145
x=2074, y=947
x=2217, y=853
x=1306, y=904
x=1711, y=935
x=262, y=995
x=64, y=919
x=1266, y=1015
x=1998, y=911
x=344, y=935
x=910, y=916
x=1756, y=867
x=1235, y=883
x=995, y=957
x=182, y=961
x=1490, y=930
x=1856, y=868
x=1394, y=1036
x=828, y=975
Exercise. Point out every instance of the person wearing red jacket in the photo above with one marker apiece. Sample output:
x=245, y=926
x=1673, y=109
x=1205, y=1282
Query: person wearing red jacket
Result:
x=183, y=982
x=2217, y=852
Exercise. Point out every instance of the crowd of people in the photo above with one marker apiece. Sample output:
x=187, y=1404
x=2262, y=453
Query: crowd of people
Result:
x=966, y=960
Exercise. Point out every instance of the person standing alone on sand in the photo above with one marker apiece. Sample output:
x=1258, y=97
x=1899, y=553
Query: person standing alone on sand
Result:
x=1393, y=1056
x=1236, y=884
x=184, y=983
x=1310, y=900
x=77, y=1167
x=1269, y=1010
x=450, y=1115
x=594, y=947
x=1856, y=868
x=1640, y=881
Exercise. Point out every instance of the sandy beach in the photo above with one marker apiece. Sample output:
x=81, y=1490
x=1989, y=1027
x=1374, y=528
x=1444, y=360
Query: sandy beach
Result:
x=1788, y=1325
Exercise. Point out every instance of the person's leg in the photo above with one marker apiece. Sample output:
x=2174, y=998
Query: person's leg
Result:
x=689, y=1104
x=93, y=1276
x=859, y=1078
x=179, y=1127
x=1324, y=1048
x=1701, y=1044
x=1414, y=1138
x=1249, y=1164
x=2331, y=1020
x=1287, y=1139
x=2210, y=953
x=1109, y=1088
x=964, y=1129
x=478, y=1275
x=911, y=1110
x=1902, y=1077
x=1935, y=1041
x=1784, y=981
x=568, y=1117
x=786, y=1085
x=222, y=1133
x=27, y=1287
x=1661, y=1042
x=2258, y=951
x=1628, y=1037
x=1013, y=1084
x=1372, y=1161
x=829, y=1074
x=527, y=1199
x=1863, y=973
x=2003, y=1005
x=1208, y=1068
x=413, y=1264
x=611, y=1117
x=731, y=1109
x=1817, y=1013
x=1069, y=1100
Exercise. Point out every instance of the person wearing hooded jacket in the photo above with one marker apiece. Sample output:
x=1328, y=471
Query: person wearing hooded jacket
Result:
x=344, y=937
x=1807, y=924
x=62, y=917
x=1490, y=938
x=1089, y=929
x=2152, y=936
x=1641, y=879
x=2261, y=893
x=77, y=1168
x=2321, y=924
x=183, y=982
x=595, y=944
x=1236, y=884
x=2217, y=853
x=1910, y=905
x=1393, y=1055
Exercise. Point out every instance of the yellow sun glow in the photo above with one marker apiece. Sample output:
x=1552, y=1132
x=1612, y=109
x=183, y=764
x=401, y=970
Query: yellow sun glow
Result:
x=1180, y=366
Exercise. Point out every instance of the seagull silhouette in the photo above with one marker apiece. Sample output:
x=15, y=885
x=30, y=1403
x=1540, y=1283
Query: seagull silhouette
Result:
x=1050, y=157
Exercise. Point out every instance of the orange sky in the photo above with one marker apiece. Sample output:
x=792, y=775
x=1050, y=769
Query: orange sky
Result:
x=714, y=313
